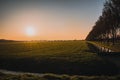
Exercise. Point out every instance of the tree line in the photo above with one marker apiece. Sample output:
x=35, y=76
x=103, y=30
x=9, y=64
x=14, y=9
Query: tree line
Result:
x=107, y=27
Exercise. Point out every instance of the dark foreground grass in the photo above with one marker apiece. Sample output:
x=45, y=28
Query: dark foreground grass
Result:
x=55, y=77
x=59, y=57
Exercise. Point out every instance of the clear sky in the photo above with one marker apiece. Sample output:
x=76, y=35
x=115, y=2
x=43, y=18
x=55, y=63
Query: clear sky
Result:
x=48, y=19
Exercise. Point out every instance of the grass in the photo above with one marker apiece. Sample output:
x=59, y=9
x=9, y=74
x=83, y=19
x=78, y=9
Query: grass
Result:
x=59, y=57
x=55, y=77
x=115, y=47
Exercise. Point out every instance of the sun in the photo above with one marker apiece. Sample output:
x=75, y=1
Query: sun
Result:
x=30, y=31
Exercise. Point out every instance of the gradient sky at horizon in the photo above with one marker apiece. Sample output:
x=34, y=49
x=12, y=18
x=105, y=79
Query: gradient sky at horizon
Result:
x=51, y=19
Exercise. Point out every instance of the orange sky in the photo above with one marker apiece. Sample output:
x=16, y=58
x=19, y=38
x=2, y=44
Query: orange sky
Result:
x=50, y=21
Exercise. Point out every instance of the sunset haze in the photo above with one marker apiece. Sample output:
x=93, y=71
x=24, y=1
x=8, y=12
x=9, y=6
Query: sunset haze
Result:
x=50, y=19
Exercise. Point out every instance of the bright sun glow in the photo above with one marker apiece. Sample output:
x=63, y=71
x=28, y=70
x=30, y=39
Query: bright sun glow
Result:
x=30, y=31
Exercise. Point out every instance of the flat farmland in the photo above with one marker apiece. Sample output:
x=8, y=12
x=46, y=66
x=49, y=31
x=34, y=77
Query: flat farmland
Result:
x=58, y=57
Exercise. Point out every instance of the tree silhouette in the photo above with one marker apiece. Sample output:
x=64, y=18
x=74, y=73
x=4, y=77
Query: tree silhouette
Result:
x=107, y=27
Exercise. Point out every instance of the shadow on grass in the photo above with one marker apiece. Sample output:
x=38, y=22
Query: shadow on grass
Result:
x=59, y=66
x=112, y=67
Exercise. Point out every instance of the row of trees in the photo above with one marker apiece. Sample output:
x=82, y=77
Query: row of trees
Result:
x=107, y=27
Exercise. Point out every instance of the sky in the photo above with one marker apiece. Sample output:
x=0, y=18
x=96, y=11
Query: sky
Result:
x=48, y=19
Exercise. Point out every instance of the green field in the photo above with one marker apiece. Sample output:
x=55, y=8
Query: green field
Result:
x=59, y=57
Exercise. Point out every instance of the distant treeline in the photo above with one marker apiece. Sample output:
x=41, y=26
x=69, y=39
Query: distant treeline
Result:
x=107, y=27
x=4, y=40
